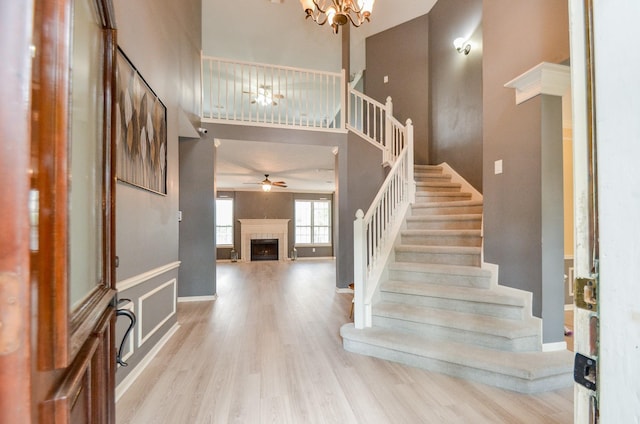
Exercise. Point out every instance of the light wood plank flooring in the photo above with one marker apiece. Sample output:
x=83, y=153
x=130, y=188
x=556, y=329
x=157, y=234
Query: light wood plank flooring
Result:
x=268, y=350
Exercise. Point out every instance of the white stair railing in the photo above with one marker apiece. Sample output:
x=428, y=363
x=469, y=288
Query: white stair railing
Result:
x=374, y=122
x=247, y=93
x=374, y=232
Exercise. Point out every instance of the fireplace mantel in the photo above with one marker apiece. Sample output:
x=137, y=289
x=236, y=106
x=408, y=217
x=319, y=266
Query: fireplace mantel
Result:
x=251, y=229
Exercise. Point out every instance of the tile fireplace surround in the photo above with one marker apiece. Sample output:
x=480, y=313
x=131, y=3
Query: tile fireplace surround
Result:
x=256, y=229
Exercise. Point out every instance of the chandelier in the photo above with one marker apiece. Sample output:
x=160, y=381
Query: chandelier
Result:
x=338, y=12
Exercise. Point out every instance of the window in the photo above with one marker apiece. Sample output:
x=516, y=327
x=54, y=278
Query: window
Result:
x=313, y=222
x=224, y=222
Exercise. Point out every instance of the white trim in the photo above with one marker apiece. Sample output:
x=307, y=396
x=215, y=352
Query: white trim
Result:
x=544, y=78
x=344, y=290
x=272, y=125
x=140, y=367
x=141, y=278
x=569, y=307
x=142, y=340
x=554, y=347
x=465, y=186
x=184, y=299
x=314, y=258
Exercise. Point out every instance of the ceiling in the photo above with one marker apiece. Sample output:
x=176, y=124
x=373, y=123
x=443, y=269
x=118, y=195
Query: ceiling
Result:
x=241, y=165
x=261, y=31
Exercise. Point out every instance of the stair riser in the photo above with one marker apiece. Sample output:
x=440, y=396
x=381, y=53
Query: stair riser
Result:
x=437, y=278
x=426, y=196
x=437, y=170
x=432, y=178
x=444, y=240
x=466, y=372
x=439, y=258
x=427, y=187
x=446, y=210
x=459, y=305
x=433, y=331
x=457, y=224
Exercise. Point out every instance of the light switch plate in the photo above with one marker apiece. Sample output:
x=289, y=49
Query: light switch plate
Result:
x=386, y=79
x=497, y=167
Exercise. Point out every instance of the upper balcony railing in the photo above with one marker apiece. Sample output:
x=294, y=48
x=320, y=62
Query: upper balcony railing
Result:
x=258, y=94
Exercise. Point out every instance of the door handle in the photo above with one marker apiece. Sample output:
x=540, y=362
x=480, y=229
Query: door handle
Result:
x=132, y=317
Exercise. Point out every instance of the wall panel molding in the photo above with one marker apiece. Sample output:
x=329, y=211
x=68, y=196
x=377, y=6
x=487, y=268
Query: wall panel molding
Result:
x=142, y=338
x=145, y=276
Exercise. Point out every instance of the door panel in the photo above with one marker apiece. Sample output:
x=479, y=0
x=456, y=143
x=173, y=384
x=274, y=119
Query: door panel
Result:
x=57, y=349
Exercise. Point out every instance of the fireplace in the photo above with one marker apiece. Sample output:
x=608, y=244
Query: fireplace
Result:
x=264, y=249
x=263, y=229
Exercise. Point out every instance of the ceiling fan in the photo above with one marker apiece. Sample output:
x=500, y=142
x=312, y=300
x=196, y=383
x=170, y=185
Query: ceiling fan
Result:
x=265, y=96
x=267, y=183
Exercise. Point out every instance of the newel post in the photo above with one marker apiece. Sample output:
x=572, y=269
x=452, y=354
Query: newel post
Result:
x=410, y=165
x=359, y=269
x=388, y=131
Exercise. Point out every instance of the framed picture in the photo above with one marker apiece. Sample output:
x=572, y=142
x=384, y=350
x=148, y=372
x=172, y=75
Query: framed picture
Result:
x=141, y=130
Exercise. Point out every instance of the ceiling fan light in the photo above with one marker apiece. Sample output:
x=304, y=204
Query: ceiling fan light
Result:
x=266, y=187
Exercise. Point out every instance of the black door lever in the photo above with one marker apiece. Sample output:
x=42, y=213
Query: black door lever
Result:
x=132, y=317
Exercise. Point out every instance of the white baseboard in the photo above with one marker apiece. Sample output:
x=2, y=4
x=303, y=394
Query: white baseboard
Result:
x=314, y=258
x=133, y=375
x=344, y=290
x=554, y=347
x=197, y=298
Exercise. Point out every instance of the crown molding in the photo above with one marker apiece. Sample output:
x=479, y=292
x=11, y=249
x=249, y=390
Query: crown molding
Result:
x=544, y=78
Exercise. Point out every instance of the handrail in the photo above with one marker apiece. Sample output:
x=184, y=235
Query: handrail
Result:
x=374, y=232
x=375, y=122
x=248, y=93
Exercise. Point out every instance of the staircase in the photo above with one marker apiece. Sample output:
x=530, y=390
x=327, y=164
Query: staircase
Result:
x=441, y=309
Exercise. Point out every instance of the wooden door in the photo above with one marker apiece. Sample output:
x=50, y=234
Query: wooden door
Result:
x=57, y=348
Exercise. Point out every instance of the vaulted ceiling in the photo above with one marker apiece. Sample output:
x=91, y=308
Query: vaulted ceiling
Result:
x=276, y=32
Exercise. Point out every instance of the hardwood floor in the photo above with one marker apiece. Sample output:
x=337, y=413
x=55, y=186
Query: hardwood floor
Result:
x=268, y=350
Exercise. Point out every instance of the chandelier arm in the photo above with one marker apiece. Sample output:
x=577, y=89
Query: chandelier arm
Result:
x=321, y=10
x=316, y=20
x=354, y=23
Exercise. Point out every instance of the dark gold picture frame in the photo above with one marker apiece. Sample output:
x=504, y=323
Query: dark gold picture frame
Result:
x=141, y=130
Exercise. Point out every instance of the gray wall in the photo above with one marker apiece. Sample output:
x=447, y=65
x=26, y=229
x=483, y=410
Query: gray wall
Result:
x=197, y=228
x=435, y=86
x=162, y=39
x=517, y=36
x=455, y=85
x=361, y=163
x=401, y=53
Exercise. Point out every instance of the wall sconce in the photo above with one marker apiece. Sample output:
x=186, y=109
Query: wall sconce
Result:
x=462, y=45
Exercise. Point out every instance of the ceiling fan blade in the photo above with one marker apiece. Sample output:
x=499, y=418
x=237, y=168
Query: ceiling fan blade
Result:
x=279, y=184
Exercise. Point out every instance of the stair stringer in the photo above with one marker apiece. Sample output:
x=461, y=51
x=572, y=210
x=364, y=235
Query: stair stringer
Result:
x=527, y=297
